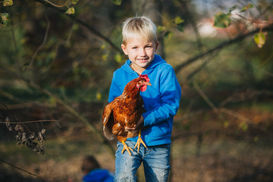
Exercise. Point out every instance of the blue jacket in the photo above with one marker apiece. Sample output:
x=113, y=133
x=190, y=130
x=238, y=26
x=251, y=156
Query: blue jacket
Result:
x=161, y=100
x=98, y=175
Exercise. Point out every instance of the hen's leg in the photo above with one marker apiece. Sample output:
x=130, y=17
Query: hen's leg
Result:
x=139, y=142
x=125, y=147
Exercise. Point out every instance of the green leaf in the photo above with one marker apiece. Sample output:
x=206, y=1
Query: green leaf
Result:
x=7, y=2
x=260, y=39
x=179, y=23
x=222, y=20
x=177, y=20
x=104, y=57
x=74, y=2
x=118, y=58
x=168, y=34
x=226, y=124
x=52, y=101
x=117, y=2
x=244, y=126
x=256, y=139
x=180, y=27
x=4, y=18
x=247, y=7
x=70, y=11
x=98, y=96
x=161, y=28
x=232, y=8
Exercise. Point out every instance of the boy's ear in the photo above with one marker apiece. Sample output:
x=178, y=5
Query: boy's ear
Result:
x=123, y=47
x=156, y=45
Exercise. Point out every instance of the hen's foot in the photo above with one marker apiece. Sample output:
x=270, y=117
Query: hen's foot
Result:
x=139, y=142
x=125, y=147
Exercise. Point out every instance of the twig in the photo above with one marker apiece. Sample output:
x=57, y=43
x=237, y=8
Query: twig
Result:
x=205, y=62
x=66, y=106
x=234, y=114
x=54, y=4
x=242, y=96
x=220, y=46
x=18, y=168
x=27, y=122
x=203, y=95
x=217, y=110
x=84, y=24
x=43, y=43
x=8, y=95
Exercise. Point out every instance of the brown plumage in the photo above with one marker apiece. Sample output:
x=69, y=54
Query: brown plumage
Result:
x=124, y=112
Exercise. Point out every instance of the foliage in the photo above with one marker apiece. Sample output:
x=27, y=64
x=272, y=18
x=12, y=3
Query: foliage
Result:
x=259, y=39
x=223, y=20
x=55, y=59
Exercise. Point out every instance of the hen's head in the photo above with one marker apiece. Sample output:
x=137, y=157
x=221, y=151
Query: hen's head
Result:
x=142, y=82
x=137, y=84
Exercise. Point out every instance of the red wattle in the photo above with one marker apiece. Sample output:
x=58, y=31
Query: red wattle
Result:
x=143, y=88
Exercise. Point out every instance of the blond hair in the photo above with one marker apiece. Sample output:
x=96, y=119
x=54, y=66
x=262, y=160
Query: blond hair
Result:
x=138, y=26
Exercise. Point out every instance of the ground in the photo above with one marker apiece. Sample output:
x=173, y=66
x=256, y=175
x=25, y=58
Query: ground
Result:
x=206, y=147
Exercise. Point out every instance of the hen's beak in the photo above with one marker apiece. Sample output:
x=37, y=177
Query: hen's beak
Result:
x=147, y=83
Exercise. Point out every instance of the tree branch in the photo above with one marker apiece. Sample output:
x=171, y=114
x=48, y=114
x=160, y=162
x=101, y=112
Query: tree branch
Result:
x=75, y=114
x=43, y=43
x=219, y=110
x=220, y=46
x=18, y=168
x=66, y=106
x=82, y=23
x=29, y=122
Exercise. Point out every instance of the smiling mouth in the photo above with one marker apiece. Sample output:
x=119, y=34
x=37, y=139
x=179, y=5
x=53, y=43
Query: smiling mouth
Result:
x=143, y=60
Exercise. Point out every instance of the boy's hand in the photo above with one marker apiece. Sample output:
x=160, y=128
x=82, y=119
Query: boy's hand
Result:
x=137, y=126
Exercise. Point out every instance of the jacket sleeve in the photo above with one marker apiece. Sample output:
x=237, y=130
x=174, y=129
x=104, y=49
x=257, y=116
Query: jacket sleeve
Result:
x=114, y=89
x=170, y=95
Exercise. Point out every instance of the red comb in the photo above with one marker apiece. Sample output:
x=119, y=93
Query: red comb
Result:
x=145, y=77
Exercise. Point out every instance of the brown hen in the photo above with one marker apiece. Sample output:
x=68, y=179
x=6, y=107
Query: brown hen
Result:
x=124, y=112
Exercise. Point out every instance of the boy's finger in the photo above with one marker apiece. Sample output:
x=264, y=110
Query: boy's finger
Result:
x=130, y=128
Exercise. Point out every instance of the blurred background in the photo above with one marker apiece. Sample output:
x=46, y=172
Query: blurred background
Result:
x=56, y=65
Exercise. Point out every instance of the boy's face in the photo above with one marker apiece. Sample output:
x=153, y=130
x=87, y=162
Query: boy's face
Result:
x=140, y=51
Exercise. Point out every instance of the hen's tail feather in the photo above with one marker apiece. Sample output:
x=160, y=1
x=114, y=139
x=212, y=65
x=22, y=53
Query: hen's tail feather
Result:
x=108, y=133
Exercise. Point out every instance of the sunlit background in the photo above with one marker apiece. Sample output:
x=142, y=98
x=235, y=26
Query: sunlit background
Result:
x=56, y=65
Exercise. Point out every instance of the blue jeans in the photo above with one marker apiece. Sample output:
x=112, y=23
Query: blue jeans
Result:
x=156, y=162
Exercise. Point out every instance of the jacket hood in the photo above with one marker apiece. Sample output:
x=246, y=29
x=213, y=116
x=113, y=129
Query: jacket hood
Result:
x=98, y=175
x=156, y=61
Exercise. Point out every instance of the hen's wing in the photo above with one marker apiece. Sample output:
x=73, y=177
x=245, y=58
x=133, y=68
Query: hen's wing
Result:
x=108, y=121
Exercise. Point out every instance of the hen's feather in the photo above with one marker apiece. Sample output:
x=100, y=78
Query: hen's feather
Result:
x=108, y=121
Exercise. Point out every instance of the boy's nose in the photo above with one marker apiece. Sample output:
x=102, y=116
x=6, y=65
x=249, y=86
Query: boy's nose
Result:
x=142, y=52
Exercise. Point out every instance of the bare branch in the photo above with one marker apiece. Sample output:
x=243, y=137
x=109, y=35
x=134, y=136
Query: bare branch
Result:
x=220, y=46
x=84, y=24
x=67, y=107
x=203, y=95
x=54, y=4
x=28, y=122
x=43, y=43
x=219, y=110
x=233, y=114
x=18, y=168
x=246, y=95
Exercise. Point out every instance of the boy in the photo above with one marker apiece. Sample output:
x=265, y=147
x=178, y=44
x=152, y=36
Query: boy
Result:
x=161, y=102
x=92, y=171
